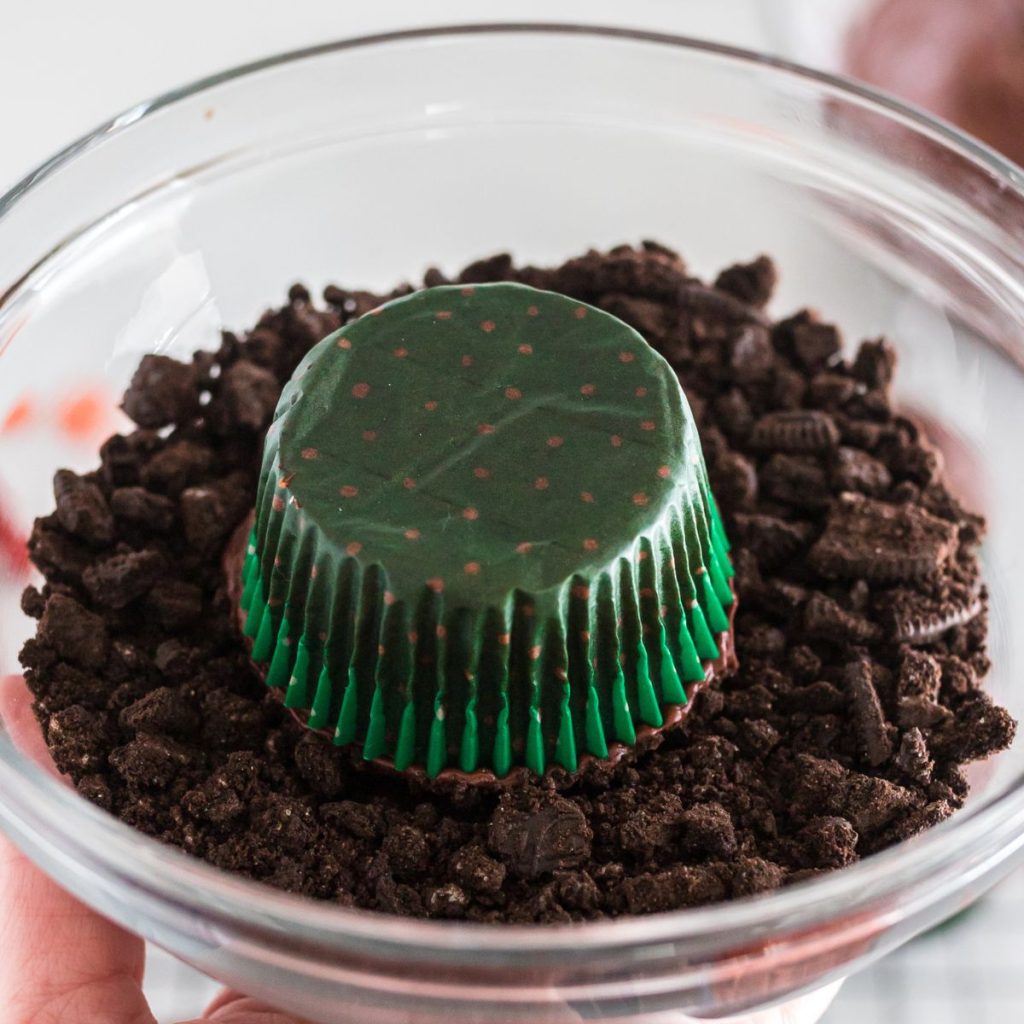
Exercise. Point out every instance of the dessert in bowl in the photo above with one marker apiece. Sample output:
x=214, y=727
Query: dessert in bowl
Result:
x=839, y=517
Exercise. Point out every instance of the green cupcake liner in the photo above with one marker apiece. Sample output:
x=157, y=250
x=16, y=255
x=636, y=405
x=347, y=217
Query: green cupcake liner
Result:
x=484, y=535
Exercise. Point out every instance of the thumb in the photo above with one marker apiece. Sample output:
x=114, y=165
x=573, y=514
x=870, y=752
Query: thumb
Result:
x=234, y=1008
x=61, y=961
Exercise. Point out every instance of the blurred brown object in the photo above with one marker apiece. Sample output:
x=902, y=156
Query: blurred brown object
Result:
x=961, y=59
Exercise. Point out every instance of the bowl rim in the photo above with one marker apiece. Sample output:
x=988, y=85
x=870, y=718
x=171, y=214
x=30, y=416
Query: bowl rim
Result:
x=173, y=876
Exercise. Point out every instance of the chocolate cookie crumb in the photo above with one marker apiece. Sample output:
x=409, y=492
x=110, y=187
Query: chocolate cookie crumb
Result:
x=868, y=718
x=861, y=631
x=537, y=839
x=882, y=543
x=162, y=391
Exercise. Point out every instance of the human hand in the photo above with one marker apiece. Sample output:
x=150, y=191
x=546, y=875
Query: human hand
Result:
x=63, y=963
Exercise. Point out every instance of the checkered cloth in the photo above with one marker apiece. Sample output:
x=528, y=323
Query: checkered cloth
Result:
x=967, y=971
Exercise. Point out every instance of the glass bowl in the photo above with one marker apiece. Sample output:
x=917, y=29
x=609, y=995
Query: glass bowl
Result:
x=365, y=161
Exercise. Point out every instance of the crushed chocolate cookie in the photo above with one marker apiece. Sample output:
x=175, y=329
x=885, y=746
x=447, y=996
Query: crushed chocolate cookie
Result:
x=868, y=717
x=797, y=431
x=861, y=633
x=882, y=543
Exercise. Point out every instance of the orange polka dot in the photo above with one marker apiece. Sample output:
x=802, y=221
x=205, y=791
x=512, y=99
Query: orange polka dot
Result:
x=344, y=343
x=412, y=534
x=581, y=592
x=504, y=639
x=467, y=291
x=369, y=435
x=408, y=483
x=436, y=584
x=532, y=311
x=467, y=360
x=535, y=652
x=525, y=548
x=627, y=357
x=640, y=499
x=430, y=406
x=587, y=497
x=485, y=428
x=389, y=598
x=587, y=389
x=277, y=504
x=641, y=392
x=590, y=544
x=381, y=650
x=616, y=441
x=641, y=556
x=285, y=481
x=400, y=353
x=487, y=326
x=555, y=441
x=580, y=312
x=664, y=472
x=525, y=350
x=470, y=513
x=349, y=491
x=471, y=568
x=443, y=314
x=646, y=592
x=413, y=637
x=481, y=473
x=310, y=453
x=513, y=394
x=648, y=425
x=541, y=483
x=354, y=548
x=360, y=390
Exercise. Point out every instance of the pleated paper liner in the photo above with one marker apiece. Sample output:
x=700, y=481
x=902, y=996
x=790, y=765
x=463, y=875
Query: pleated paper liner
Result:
x=484, y=537
x=638, y=700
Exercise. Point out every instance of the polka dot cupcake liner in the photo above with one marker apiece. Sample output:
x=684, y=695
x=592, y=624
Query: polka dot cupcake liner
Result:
x=484, y=536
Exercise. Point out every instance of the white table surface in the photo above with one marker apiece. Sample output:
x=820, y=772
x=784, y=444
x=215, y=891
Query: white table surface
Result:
x=67, y=65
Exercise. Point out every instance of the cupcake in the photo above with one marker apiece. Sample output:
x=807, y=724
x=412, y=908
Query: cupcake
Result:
x=484, y=538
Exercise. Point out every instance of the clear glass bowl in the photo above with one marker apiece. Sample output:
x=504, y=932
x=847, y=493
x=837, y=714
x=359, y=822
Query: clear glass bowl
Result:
x=364, y=162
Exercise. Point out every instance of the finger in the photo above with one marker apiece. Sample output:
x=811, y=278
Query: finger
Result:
x=806, y=1009
x=811, y=1007
x=234, y=1008
x=21, y=724
x=61, y=961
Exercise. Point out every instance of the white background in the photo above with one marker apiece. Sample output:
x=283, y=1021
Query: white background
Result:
x=67, y=65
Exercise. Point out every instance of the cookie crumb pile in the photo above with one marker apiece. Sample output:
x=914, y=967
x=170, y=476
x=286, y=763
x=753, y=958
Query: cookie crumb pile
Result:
x=860, y=633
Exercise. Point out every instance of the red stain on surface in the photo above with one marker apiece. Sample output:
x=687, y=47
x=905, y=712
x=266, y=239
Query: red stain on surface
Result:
x=82, y=415
x=13, y=547
x=19, y=415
